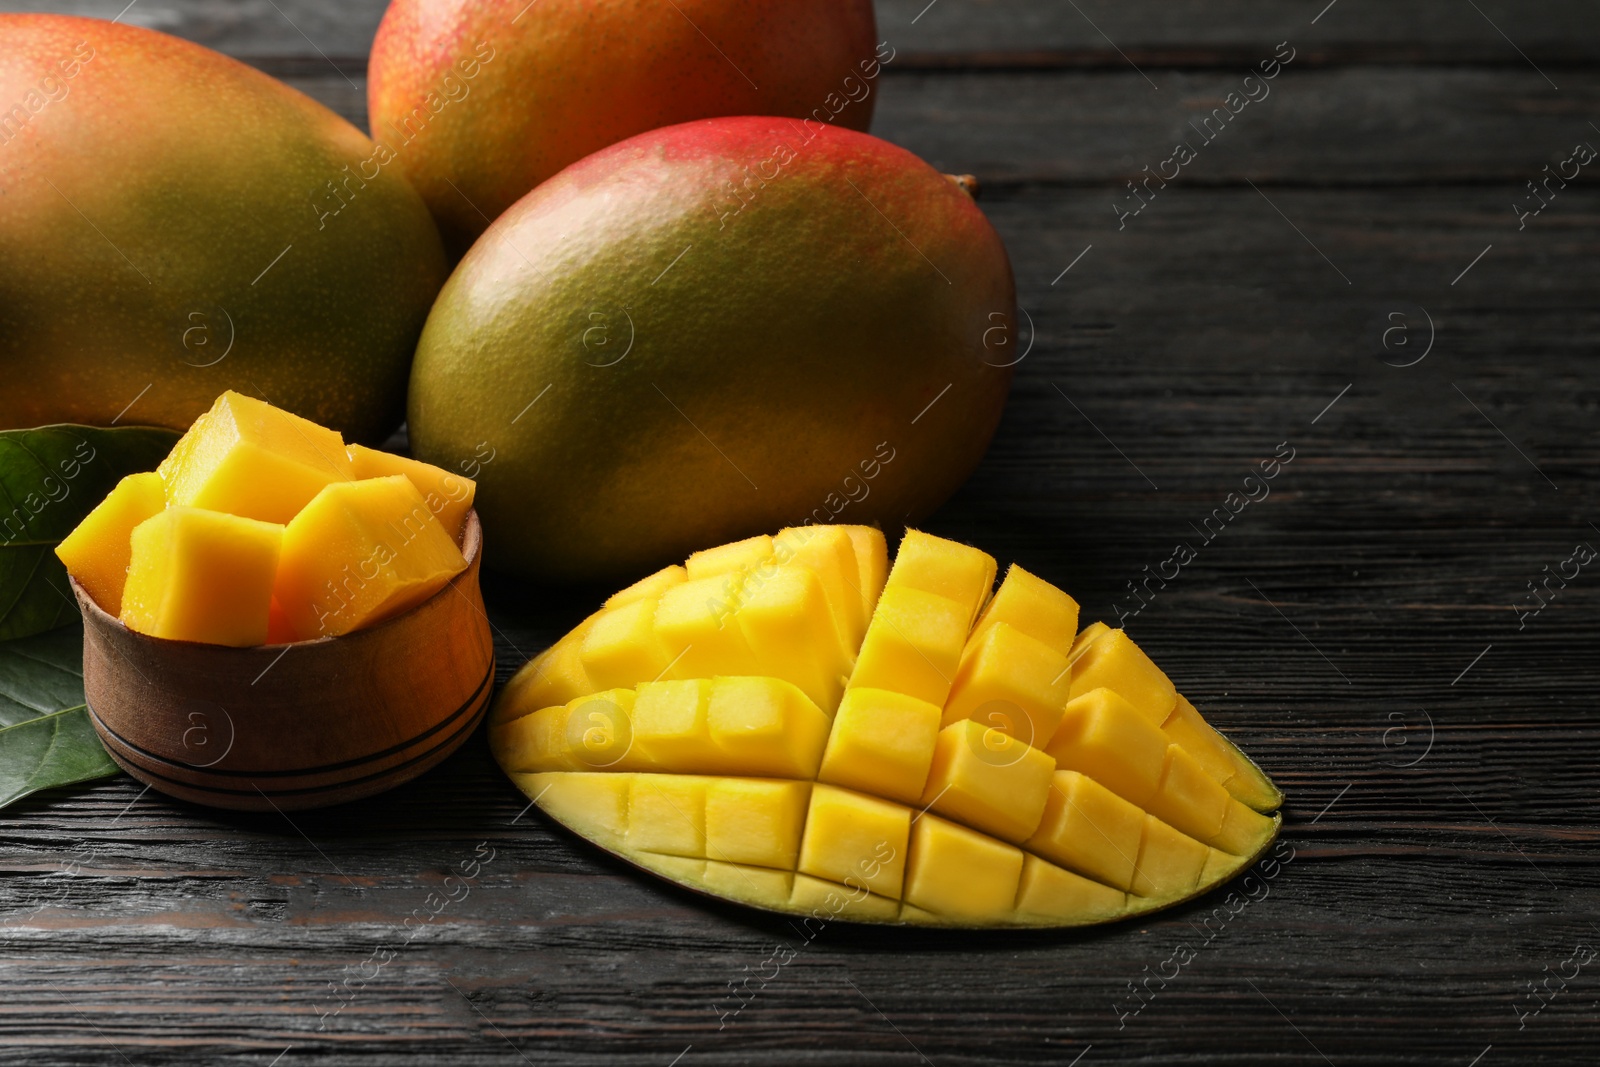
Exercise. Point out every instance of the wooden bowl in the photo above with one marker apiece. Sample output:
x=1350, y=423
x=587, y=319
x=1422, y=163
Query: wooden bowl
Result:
x=279, y=727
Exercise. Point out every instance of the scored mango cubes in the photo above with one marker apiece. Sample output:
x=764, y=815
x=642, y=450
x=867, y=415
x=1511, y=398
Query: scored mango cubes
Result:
x=357, y=535
x=792, y=723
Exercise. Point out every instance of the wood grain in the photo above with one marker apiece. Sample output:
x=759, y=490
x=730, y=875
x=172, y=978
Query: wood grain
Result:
x=1355, y=631
x=1343, y=127
x=944, y=33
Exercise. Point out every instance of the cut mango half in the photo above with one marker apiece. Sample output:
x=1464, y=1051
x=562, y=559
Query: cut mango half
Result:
x=790, y=723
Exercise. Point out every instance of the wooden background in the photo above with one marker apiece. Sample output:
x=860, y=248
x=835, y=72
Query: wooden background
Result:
x=1355, y=631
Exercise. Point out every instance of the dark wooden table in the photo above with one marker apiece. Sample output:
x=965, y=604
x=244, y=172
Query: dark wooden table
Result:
x=1341, y=270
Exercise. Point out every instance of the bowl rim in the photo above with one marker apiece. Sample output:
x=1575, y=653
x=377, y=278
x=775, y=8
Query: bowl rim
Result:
x=471, y=550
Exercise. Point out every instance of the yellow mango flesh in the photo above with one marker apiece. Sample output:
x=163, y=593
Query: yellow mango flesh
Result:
x=359, y=553
x=449, y=496
x=360, y=536
x=97, y=552
x=791, y=723
x=197, y=575
x=248, y=458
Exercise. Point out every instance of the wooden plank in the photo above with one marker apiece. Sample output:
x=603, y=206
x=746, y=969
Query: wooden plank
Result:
x=1156, y=33
x=1091, y=33
x=1353, y=125
x=1346, y=126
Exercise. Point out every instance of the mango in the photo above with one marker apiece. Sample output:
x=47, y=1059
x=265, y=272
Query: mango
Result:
x=361, y=552
x=481, y=100
x=634, y=348
x=197, y=575
x=1021, y=794
x=97, y=551
x=249, y=239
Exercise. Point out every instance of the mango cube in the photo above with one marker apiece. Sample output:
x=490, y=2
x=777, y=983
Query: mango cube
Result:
x=592, y=804
x=1114, y=662
x=913, y=644
x=361, y=552
x=1221, y=760
x=1244, y=831
x=1189, y=798
x=790, y=627
x=1169, y=862
x=1086, y=637
x=667, y=814
x=670, y=730
x=830, y=554
x=960, y=872
x=856, y=840
x=197, y=575
x=622, y=647
x=248, y=458
x=598, y=732
x=695, y=620
x=1051, y=892
x=97, y=552
x=767, y=726
x=989, y=780
x=934, y=565
x=449, y=496
x=881, y=742
x=1012, y=682
x=756, y=821
x=534, y=743
x=1033, y=606
x=1089, y=829
x=551, y=679
x=1103, y=736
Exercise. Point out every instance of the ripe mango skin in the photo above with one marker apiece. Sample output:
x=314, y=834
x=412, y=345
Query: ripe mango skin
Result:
x=835, y=348
x=496, y=96
x=143, y=199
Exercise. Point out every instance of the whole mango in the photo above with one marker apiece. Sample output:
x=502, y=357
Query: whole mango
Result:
x=174, y=223
x=710, y=330
x=484, y=99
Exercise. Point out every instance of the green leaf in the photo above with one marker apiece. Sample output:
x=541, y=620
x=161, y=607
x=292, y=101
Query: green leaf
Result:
x=46, y=738
x=52, y=750
x=41, y=675
x=50, y=478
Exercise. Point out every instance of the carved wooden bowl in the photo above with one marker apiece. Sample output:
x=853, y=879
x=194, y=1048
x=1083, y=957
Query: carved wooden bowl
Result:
x=279, y=727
